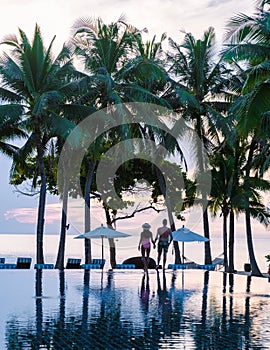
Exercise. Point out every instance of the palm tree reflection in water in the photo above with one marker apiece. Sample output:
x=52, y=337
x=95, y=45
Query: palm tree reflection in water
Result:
x=39, y=312
x=164, y=304
x=106, y=319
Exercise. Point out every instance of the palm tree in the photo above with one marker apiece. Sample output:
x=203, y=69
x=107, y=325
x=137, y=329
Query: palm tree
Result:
x=102, y=48
x=200, y=86
x=248, y=43
x=34, y=85
x=227, y=161
x=117, y=60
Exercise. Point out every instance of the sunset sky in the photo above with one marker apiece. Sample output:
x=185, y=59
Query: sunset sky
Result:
x=55, y=17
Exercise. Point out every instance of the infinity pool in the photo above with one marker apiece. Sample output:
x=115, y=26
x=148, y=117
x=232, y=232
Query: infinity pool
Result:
x=190, y=309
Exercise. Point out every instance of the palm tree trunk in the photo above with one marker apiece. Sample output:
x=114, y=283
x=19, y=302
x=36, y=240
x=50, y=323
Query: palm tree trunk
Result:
x=231, y=242
x=87, y=211
x=225, y=241
x=61, y=248
x=112, y=253
x=42, y=199
x=255, y=271
x=41, y=220
x=207, y=247
x=111, y=240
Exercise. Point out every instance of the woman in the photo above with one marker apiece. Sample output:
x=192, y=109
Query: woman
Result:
x=145, y=244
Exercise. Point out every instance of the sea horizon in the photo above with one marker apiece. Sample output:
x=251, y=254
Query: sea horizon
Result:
x=14, y=245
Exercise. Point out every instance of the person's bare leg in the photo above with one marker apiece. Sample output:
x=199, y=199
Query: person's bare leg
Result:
x=147, y=258
x=144, y=261
x=144, y=264
x=164, y=259
x=158, y=259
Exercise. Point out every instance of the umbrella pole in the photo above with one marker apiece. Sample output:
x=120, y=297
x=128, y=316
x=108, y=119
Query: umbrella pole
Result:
x=102, y=250
x=183, y=255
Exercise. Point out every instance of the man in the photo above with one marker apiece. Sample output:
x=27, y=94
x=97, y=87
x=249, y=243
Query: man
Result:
x=164, y=237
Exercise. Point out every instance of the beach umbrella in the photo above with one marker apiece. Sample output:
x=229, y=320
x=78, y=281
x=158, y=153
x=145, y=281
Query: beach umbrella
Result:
x=184, y=234
x=103, y=232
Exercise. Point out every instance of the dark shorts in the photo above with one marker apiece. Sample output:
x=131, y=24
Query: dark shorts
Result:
x=163, y=245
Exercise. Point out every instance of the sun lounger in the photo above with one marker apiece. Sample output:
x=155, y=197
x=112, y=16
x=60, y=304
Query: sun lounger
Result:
x=2, y=260
x=209, y=267
x=73, y=263
x=44, y=266
x=218, y=262
x=99, y=261
x=177, y=266
x=23, y=263
x=91, y=266
x=7, y=266
x=125, y=266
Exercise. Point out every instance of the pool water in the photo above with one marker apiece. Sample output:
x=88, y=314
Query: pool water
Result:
x=189, y=309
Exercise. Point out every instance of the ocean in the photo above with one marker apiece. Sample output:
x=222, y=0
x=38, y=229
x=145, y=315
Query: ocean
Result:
x=15, y=245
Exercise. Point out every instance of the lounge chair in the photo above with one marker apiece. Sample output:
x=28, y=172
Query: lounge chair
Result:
x=99, y=262
x=73, y=263
x=44, y=266
x=7, y=266
x=177, y=266
x=91, y=266
x=125, y=266
x=209, y=267
x=219, y=261
x=23, y=263
x=190, y=264
x=2, y=260
x=217, y=264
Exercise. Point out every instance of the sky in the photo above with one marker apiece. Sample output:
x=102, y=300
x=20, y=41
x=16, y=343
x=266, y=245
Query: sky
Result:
x=55, y=17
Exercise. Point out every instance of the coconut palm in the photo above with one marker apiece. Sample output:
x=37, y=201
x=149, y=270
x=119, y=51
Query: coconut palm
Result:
x=33, y=87
x=227, y=161
x=201, y=85
x=247, y=41
x=248, y=44
x=117, y=61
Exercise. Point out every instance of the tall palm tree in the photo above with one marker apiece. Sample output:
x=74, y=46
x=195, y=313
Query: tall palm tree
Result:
x=200, y=87
x=33, y=85
x=227, y=161
x=102, y=48
x=147, y=70
x=117, y=60
x=248, y=44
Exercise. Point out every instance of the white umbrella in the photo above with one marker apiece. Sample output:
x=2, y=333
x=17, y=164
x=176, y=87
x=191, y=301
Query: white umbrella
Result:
x=184, y=234
x=103, y=232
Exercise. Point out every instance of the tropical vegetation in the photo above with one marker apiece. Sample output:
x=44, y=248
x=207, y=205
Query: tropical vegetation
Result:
x=223, y=97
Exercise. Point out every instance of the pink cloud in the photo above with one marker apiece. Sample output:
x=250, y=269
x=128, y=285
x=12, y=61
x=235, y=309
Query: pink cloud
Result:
x=29, y=215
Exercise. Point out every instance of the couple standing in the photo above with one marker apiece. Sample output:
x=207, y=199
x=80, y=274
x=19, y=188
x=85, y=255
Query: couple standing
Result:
x=164, y=237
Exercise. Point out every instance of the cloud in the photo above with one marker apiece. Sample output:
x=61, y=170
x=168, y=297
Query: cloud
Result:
x=170, y=16
x=29, y=215
x=53, y=212
x=216, y=3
